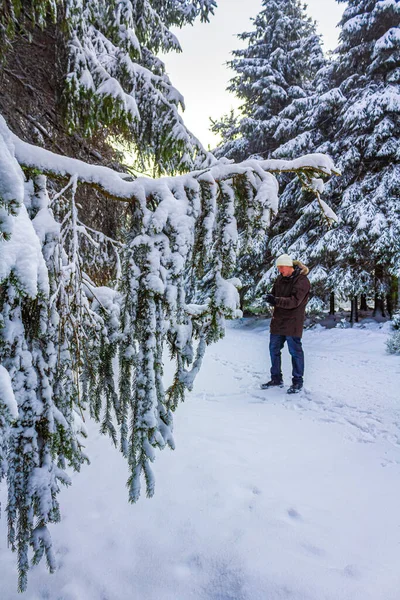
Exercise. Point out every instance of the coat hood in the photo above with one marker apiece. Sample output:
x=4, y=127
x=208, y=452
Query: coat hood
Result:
x=303, y=269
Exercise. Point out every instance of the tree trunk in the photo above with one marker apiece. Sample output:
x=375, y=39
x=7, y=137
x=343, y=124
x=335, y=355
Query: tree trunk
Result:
x=389, y=305
x=392, y=298
x=354, y=310
x=332, y=303
x=363, y=302
x=379, y=308
x=398, y=294
x=242, y=293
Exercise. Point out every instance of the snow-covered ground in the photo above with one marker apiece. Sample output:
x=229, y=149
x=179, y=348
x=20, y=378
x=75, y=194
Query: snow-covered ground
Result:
x=267, y=497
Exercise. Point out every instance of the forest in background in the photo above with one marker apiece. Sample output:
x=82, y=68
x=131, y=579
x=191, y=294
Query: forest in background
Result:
x=296, y=100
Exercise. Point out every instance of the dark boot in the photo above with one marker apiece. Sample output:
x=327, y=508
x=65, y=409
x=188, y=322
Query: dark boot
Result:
x=271, y=384
x=295, y=388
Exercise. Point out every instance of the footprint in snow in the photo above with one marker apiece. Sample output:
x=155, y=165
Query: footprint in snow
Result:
x=351, y=571
x=326, y=420
x=227, y=581
x=313, y=550
x=256, y=399
x=293, y=514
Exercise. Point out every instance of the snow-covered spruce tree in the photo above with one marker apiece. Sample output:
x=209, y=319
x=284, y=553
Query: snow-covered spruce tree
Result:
x=299, y=226
x=359, y=256
x=61, y=336
x=45, y=317
x=281, y=60
x=306, y=125
x=274, y=71
x=367, y=140
x=354, y=117
x=115, y=79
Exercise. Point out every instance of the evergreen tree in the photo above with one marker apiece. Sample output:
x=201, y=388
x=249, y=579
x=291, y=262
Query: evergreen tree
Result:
x=306, y=126
x=354, y=117
x=278, y=66
x=367, y=142
x=114, y=77
x=108, y=77
x=275, y=72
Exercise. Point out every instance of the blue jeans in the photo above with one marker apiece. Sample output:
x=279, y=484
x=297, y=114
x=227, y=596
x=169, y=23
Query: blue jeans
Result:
x=276, y=343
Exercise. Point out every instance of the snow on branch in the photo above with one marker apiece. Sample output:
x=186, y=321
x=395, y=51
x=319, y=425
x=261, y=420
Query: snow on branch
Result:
x=114, y=184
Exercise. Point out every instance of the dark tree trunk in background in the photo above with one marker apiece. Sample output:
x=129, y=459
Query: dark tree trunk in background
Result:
x=242, y=293
x=363, y=302
x=398, y=293
x=354, y=310
x=379, y=306
x=332, y=303
x=389, y=305
x=392, y=298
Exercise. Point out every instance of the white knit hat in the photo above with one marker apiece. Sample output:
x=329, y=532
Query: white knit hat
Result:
x=284, y=261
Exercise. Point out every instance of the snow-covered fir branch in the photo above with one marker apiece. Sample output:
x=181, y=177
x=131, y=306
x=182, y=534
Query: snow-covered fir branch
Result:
x=170, y=286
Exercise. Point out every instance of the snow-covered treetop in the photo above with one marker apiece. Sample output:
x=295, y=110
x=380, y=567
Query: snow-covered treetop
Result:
x=271, y=68
x=283, y=55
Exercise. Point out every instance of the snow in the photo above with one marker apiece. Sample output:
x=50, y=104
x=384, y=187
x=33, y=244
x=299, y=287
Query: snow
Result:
x=11, y=181
x=227, y=296
x=7, y=397
x=328, y=212
x=268, y=194
x=45, y=224
x=316, y=161
x=22, y=255
x=390, y=40
x=111, y=87
x=317, y=185
x=265, y=497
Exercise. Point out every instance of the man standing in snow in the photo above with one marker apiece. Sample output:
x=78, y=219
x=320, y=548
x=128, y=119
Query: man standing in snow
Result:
x=289, y=298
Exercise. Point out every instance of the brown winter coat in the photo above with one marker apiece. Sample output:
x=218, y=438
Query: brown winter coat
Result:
x=291, y=295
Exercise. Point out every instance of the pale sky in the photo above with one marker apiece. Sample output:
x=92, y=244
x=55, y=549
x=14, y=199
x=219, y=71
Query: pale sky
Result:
x=199, y=72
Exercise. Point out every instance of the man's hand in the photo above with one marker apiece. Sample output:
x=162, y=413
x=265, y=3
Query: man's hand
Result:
x=270, y=298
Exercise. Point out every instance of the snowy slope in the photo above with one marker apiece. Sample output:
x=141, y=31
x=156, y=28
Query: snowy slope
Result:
x=266, y=497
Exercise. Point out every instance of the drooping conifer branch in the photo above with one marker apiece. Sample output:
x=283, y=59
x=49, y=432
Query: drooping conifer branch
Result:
x=174, y=291
x=119, y=186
